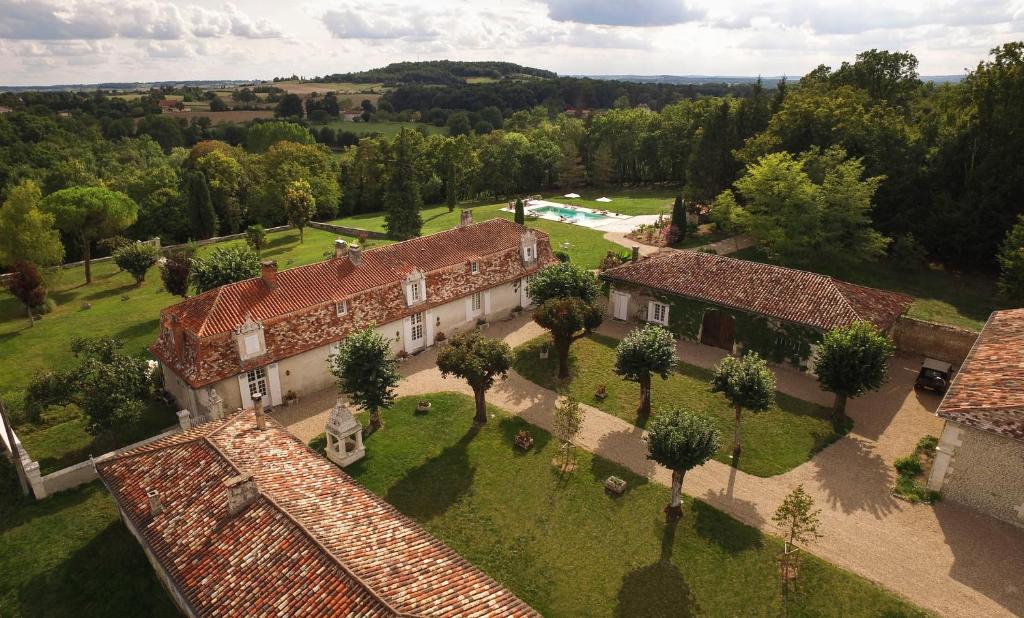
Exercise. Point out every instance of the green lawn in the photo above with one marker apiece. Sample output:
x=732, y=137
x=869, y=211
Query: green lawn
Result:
x=944, y=296
x=116, y=308
x=69, y=555
x=773, y=442
x=640, y=201
x=569, y=549
x=387, y=128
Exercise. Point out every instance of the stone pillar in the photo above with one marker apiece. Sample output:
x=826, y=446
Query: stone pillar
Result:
x=35, y=479
x=185, y=419
x=215, y=404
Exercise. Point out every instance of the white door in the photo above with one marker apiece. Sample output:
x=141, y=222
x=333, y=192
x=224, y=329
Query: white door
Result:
x=416, y=331
x=621, y=305
x=274, y=379
x=252, y=382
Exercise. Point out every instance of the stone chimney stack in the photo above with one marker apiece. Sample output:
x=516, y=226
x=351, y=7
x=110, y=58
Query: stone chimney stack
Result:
x=466, y=218
x=241, y=491
x=355, y=255
x=155, y=506
x=636, y=254
x=268, y=272
x=340, y=248
x=261, y=417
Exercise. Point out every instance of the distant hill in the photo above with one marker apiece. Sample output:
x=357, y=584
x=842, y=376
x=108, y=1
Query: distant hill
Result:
x=438, y=72
x=732, y=80
x=212, y=84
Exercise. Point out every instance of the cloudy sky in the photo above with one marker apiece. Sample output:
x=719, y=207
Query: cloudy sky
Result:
x=88, y=41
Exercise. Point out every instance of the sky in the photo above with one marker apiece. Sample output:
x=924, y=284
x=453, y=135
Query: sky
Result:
x=88, y=41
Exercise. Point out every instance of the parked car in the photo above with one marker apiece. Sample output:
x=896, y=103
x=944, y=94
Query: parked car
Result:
x=934, y=375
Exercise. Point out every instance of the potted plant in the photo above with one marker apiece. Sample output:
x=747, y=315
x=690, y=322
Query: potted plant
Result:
x=291, y=397
x=615, y=485
x=423, y=406
x=523, y=439
x=544, y=351
x=481, y=323
x=601, y=393
x=440, y=338
x=402, y=355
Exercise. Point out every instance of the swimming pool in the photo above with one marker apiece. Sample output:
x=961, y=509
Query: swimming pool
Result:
x=570, y=213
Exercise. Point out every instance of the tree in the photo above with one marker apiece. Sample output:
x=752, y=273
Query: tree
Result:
x=217, y=104
x=256, y=237
x=136, y=258
x=176, y=270
x=568, y=319
x=28, y=233
x=261, y=136
x=798, y=520
x=568, y=420
x=458, y=124
x=479, y=360
x=746, y=382
x=402, y=197
x=289, y=106
x=681, y=440
x=365, y=370
x=851, y=361
x=107, y=385
x=164, y=129
x=520, y=216
x=300, y=205
x=679, y=216
x=89, y=213
x=641, y=353
x=285, y=162
x=226, y=179
x=224, y=265
x=1011, y=264
x=564, y=280
x=27, y=285
x=202, y=218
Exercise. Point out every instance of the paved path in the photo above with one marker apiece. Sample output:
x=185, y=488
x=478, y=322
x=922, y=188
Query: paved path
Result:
x=722, y=247
x=946, y=558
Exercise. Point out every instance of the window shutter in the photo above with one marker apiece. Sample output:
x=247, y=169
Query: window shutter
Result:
x=408, y=294
x=650, y=311
x=243, y=388
x=487, y=303
x=664, y=314
x=274, y=384
x=469, y=307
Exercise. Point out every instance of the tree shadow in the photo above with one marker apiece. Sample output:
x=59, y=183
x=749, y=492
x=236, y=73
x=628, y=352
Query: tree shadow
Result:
x=432, y=488
x=112, y=562
x=658, y=589
x=711, y=522
x=135, y=330
x=855, y=478
x=510, y=426
x=630, y=445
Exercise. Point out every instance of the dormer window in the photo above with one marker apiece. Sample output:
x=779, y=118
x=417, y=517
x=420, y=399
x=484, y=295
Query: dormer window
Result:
x=474, y=267
x=250, y=339
x=341, y=307
x=528, y=245
x=415, y=288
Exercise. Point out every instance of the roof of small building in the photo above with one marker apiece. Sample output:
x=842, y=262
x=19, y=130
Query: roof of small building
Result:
x=222, y=309
x=988, y=391
x=313, y=542
x=787, y=294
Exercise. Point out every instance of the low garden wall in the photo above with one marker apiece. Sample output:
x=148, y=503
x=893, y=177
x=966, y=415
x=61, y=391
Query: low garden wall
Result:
x=348, y=231
x=938, y=341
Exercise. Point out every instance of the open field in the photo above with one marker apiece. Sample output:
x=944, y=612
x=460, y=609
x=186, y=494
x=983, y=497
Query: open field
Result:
x=944, y=296
x=299, y=87
x=567, y=547
x=387, y=129
x=785, y=436
x=625, y=201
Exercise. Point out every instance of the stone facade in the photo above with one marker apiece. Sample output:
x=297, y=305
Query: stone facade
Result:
x=982, y=470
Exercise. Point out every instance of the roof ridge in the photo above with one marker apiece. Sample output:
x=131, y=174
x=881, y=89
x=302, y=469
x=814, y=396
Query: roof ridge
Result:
x=846, y=299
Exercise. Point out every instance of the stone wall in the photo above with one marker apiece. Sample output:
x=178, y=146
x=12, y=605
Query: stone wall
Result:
x=982, y=470
x=347, y=231
x=938, y=341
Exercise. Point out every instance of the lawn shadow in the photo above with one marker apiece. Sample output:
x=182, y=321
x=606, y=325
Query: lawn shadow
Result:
x=432, y=488
x=712, y=524
x=855, y=478
x=510, y=426
x=658, y=589
x=629, y=445
x=135, y=330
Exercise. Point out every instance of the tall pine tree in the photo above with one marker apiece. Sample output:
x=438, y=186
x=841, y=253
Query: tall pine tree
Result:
x=202, y=217
x=402, y=197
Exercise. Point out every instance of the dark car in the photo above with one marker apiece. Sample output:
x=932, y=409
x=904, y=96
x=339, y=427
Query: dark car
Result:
x=934, y=375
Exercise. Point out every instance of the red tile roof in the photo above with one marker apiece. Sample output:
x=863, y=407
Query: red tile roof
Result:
x=314, y=542
x=784, y=293
x=988, y=391
x=224, y=308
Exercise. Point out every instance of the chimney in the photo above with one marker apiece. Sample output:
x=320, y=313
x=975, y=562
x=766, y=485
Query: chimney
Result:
x=636, y=253
x=340, y=248
x=466, y=217
x=155, y=507
x=268, y=272
x=178, y=335
x=355, y=255
x=261, y=417
x=241, y=492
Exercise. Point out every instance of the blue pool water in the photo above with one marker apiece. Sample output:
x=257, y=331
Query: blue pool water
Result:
x=569, y=213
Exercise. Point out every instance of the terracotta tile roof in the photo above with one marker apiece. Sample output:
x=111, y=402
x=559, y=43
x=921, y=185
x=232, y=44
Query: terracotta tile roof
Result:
x=314, y=542
x=784, y=293
x=224, y=308
x=988, y=391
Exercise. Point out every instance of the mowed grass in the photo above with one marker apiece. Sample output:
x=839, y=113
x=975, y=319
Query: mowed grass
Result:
x=69, y=555
x=940, y=295
x=566, y=547
x=116, y=308
x=775, y=441
x=641, y=201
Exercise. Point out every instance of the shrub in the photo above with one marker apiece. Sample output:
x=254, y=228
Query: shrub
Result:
x=136, y=258
x=927, y=443
x=256, y=236
x=224, y=265
x=176, y=269
x=112, y=244
x=908, y=466
x=907, y=251
x=562, y=256
x=27, y=285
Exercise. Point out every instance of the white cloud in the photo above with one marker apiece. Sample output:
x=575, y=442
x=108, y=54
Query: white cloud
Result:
x=623, y=12
x=385, y=22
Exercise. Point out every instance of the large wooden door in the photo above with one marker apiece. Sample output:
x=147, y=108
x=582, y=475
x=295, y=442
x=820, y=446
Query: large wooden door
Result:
x=718, y=330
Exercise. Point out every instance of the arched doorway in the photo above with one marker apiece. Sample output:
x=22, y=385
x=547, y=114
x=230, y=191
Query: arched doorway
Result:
x=718, y=330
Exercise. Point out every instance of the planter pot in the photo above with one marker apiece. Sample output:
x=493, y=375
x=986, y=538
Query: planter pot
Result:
x=615, y=485
x=423, y=406
x=600, y=396
x=482, y=326
x=524, y=443
x=544, y=354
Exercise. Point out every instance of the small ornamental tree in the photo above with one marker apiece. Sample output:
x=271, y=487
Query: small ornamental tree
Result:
x=202, y=215
x=568, y=319
x=365, y=370
x=27, y=285
x=851, y=361
x=480, y=361
x=679, y=216
x=520, y=216
x=563, y=280
x=136, y=258
x=224, y=265
x=256, y=236
x=299, y=205
x=568, y=417
x=176, y=270
x=797, y=518
x=642, y=353
x=681, y=440
x=746, y=382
